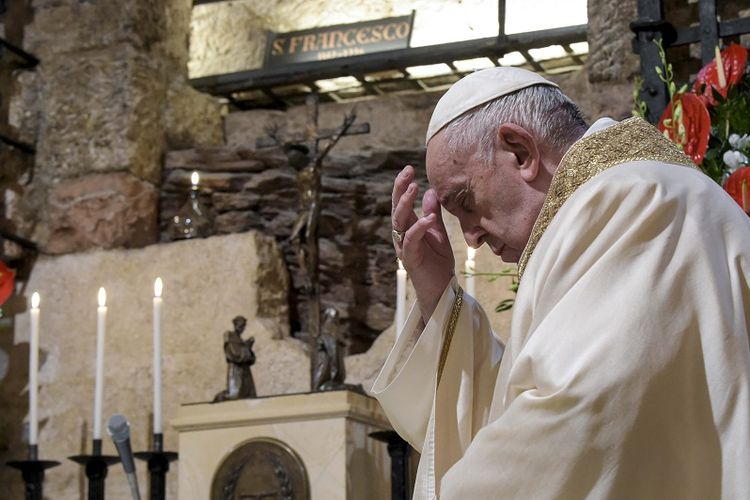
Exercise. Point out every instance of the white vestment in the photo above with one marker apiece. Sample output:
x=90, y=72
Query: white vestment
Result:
x=627, y=370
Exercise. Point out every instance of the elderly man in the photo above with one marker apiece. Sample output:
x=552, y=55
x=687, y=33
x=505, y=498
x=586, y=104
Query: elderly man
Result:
x=627, y=370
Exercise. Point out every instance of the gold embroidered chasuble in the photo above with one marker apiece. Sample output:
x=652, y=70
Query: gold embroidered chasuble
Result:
x=625, y=374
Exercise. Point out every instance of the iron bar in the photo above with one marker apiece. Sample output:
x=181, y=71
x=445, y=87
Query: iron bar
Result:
x=21, y=146
x=650, y=27
x=709, y=29
x=30, y=60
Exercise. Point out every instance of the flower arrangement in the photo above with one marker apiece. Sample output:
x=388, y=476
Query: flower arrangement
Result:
x=710, y=121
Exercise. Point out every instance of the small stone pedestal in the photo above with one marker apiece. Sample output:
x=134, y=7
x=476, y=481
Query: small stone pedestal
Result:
x=327, y=432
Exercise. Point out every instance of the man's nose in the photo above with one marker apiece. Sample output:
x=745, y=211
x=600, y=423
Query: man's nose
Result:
x=474, y=236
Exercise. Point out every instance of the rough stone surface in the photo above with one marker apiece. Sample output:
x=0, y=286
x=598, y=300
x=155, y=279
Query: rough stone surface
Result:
x=24, y=106
x=191, y=118
x=597, y=99
x=611, y=57
x=109, y=96
x=206, y=283
x=357, y=261
x=101, y=114
x=101, y=210
x=73, y=26
x=405, y=132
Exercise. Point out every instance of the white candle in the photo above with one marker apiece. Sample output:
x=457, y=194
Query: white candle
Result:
x=469, y=268
x=101, y=329
x=34, y=370
x=157, y=355
x=400, y=298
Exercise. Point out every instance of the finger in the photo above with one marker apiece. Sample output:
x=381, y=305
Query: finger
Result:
x=415, y=234
x=403, y=215
x=401, y=183
x=431, y=205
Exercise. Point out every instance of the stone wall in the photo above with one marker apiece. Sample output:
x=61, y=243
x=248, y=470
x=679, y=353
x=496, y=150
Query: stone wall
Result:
x=245, y=189
x=106, y=102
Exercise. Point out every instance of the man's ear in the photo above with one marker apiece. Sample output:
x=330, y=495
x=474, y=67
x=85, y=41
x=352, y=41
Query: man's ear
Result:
x=523, y=146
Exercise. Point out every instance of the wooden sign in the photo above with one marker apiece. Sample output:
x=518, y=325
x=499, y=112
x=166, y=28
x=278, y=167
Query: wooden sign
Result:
x=342, y=40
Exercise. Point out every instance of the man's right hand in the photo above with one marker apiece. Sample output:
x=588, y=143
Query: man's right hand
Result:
x=424, y=249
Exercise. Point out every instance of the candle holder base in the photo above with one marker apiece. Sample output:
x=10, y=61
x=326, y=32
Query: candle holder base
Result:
x=33, y=475
x=96, y=472
x=158, y=466
x=399, y=450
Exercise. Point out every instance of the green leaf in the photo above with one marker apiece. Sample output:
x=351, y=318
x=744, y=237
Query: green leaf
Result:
x=505, y=305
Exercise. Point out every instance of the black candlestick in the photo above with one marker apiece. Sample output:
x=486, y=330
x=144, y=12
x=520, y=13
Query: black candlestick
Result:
x=96, y=469
x=398, y=449
x=32, y=471
x=158, y=466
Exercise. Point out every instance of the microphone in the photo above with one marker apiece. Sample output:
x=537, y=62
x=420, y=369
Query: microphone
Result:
x=118, y=429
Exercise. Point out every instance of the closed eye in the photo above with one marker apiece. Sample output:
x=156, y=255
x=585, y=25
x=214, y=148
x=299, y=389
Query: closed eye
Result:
x=465, y=200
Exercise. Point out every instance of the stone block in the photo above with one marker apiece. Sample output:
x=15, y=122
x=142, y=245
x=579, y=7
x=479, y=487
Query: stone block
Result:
x=101, y=114
x=225, y=159
x=73, y=26
x=101, y=210
x=225, y=202
x=611, y=57
x=192, y=118
x=24, y=106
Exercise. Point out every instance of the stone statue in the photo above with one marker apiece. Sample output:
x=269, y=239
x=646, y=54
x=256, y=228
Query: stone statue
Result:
x=240, y=357
x=329, y=371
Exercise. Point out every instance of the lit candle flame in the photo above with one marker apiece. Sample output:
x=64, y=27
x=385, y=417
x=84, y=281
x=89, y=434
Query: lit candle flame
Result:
x=471, y=253
x=195, y=179
x=102, y=297
x=35, y=300
x=158, y=286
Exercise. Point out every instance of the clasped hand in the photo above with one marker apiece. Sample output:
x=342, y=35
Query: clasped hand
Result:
x=424, y=249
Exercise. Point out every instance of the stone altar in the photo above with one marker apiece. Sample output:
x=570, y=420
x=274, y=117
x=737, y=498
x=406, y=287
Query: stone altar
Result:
x=327, y=431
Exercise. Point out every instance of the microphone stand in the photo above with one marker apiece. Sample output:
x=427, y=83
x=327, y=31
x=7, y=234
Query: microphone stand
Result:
x=158, y=466
x=32, y=471
x=96, y=469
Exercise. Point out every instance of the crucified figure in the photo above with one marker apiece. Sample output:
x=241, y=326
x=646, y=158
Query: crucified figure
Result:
x=305, y=156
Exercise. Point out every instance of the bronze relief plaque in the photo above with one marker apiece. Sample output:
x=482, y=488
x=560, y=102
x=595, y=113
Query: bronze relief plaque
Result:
x=261, y=469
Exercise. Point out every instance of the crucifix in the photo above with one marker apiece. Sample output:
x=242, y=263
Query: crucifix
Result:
x=305, y=154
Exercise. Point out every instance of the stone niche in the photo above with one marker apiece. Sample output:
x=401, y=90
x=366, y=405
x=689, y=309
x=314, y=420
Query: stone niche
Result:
x=245, y=189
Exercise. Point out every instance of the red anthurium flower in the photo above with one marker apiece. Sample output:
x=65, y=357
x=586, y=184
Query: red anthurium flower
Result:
x=738, y=187
x=733, y=60
x=686, y=122
x=7, y=279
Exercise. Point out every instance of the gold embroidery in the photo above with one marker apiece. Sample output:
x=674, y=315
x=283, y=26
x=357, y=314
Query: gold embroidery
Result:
x=631, y=140
x=449, y=330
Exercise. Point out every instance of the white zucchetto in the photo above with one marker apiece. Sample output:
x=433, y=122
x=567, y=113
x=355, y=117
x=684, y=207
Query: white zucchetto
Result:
x=478, y=88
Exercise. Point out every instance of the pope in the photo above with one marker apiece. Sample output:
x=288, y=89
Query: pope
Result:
x=626, y=373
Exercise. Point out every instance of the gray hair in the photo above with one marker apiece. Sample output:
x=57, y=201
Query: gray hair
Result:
x=543, y=110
